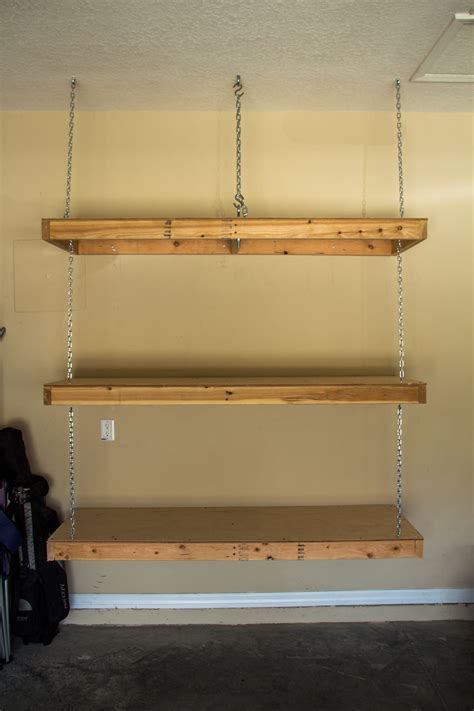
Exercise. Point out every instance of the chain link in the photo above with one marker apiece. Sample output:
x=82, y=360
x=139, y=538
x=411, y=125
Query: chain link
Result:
x=401, y=200
x=399, y=467
x=239, y=200
x=72, y=106
x=401, y=325
x=70, y=293
x=72, y=483
x=401, y=196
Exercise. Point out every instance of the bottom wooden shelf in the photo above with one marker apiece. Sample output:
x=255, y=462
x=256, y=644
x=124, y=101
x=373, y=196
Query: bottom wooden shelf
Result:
x=257, y=533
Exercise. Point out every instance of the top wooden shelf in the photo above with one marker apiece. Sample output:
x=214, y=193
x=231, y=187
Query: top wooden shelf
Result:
x=218, y=235
x=229, y=391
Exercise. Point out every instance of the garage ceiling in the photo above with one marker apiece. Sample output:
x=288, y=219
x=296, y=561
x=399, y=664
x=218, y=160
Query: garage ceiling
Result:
x=184, y=54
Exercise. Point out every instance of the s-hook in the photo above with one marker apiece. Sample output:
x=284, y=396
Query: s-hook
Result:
x=239, y=200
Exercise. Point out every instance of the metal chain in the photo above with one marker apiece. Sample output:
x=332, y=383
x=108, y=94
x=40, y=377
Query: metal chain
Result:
x=72, y=482
x=401, y=198
x=72, y=106
x=239, y=200
x=401, y=327
x=401, y=195
x=399, y=467
x=70, y=274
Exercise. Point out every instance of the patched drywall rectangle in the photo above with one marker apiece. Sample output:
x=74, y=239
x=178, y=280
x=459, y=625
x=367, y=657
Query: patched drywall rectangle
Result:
x=40, y=274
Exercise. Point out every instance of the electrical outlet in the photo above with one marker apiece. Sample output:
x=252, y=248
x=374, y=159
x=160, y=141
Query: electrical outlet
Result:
x=107, y=430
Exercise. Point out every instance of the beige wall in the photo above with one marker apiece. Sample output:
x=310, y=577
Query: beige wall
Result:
x=265, y=314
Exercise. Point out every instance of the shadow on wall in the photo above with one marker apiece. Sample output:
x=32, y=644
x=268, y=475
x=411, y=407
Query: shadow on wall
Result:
x=151, y=367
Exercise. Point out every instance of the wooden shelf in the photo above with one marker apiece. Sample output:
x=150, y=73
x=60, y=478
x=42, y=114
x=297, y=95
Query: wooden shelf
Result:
x=258, y=533
x=228, y=391
x=312, y=236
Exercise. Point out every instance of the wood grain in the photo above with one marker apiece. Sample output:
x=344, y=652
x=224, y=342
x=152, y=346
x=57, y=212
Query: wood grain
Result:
x=228, y=391
x=241, y=533
x=282, y=236
x=281, y=247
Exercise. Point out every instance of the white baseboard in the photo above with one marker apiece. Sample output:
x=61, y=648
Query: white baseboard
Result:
x=210, y=601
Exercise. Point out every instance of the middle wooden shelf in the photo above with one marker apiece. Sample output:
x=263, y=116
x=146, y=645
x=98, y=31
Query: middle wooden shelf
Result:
x=234, y=390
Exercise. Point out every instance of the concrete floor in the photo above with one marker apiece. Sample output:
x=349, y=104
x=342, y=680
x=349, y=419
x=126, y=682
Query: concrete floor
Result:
x=382, y=666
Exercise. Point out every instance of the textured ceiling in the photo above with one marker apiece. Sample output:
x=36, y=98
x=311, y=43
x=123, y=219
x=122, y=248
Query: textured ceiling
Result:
x=184, y=54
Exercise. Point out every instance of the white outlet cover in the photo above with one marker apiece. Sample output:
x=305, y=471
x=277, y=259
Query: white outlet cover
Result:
x=107, y=430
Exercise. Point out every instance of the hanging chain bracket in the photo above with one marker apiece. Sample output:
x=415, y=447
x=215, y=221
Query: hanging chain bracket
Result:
x=239, y=200
x=401, y=325
x=70, y=293
x=242, y=211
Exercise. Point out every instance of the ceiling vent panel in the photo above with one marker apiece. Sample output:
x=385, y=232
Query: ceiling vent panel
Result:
x=451, y=59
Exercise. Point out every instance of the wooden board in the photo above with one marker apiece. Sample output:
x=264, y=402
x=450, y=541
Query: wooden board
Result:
x=243, y=391
x=257, y=533
x=282, y=236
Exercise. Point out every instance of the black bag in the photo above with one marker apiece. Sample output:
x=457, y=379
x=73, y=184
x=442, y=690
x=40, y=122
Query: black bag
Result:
x=44, y=520
x=55, y=587
x=14, y=465
x=40, y=591
x=29, y=607
x=40, y=602
x=41, y=597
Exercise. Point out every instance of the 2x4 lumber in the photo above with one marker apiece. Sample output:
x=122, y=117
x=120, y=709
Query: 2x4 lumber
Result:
x=243, y=391
x=282, y=247
x=239, y=533
x=339, y=236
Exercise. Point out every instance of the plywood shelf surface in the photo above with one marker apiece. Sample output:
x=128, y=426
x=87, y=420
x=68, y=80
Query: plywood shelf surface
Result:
x=279, y=236
x=257, y=533
x=228, y=391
